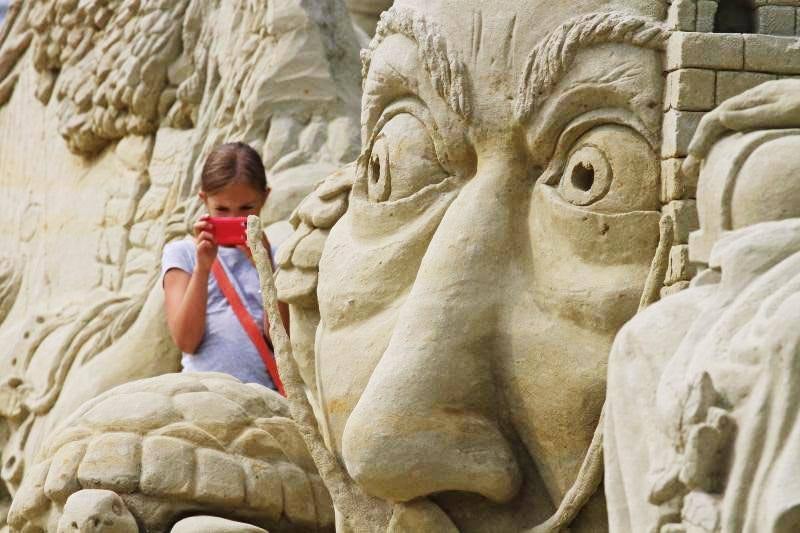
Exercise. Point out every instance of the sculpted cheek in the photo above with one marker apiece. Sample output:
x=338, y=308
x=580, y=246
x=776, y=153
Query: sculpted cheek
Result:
x=594, y=225
x=609, y=259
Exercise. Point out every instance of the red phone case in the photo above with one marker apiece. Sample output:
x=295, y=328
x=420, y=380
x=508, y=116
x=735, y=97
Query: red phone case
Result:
x=229, y=231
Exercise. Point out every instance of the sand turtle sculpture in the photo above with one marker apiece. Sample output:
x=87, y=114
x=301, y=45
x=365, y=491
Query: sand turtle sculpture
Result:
x=174, y=446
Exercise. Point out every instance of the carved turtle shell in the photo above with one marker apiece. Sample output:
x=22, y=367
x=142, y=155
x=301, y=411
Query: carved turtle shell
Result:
x=176, y=445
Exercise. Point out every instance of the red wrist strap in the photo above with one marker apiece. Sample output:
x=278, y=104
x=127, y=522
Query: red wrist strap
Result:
x=247, y=322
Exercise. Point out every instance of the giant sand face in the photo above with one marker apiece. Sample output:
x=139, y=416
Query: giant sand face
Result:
x=501, y=226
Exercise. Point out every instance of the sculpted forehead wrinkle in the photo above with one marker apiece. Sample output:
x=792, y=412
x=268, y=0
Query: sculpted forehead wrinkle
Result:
x=619, y=74
x=535, y=19
x=545, y=64
x=552, y=57
x=445, y=67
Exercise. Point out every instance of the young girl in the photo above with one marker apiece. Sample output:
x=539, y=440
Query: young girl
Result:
x=200, y=318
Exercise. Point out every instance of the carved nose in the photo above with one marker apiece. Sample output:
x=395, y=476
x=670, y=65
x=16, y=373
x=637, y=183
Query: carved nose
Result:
x=425, y=423
x=428, y=421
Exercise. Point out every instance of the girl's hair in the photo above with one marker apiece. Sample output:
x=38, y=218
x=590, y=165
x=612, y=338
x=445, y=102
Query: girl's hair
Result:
x=229, y=163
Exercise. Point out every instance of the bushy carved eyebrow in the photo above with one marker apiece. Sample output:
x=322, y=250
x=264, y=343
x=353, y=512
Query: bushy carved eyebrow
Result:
x=544, y=67
x=554, y=54
x=445, y=68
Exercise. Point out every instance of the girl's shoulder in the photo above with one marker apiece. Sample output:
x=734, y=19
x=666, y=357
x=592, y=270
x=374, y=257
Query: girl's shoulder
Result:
x=179, y=253
x=180, y=246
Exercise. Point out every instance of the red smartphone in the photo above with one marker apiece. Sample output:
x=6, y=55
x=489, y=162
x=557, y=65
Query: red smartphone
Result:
x=229, y=231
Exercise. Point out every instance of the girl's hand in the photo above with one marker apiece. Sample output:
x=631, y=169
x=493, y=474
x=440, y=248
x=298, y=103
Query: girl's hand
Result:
x=205, y=243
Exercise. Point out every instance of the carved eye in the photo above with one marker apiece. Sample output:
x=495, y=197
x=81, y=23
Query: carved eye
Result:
x=379, y=181
x=612, y=169
x=587, y=176
x=402, y=160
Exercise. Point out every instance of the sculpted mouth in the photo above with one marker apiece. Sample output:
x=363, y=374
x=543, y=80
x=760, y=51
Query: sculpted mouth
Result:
x=422, y=516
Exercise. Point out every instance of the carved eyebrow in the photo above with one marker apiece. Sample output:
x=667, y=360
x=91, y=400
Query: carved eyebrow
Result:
x=619, y=74
x=445, y=68
x=554, y=54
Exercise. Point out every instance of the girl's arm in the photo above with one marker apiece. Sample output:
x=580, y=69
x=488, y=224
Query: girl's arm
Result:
x=185, y=297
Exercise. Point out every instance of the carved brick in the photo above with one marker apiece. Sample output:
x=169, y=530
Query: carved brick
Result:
x=706, y=14
x=731, y=83
x=775, y=20
x=705, y=50
x=690, y=89
x=678, y=128
x=684, y=213
x=682, y=15
x=769, y=53
x=679, y=268
x=672, y=181
x=673, y=289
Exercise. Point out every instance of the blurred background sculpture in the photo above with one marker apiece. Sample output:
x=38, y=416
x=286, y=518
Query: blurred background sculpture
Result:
x=522, y=181
x=107, y=111
x=711, y=442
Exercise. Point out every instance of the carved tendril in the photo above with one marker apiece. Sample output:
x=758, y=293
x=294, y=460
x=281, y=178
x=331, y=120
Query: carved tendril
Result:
x=362, y=512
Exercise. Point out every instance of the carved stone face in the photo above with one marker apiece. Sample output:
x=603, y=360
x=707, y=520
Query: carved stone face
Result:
x=501, y=226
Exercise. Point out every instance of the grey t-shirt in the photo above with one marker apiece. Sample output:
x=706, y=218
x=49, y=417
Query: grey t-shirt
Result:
x=225, y=346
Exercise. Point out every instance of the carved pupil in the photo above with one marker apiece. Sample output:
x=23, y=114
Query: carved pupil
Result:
x=375, y=168
x=583, y=176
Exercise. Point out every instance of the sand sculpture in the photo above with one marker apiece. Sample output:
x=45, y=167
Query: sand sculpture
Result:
x=712, y=442
x=463, y=291
x=107, y=109
x=531, y=177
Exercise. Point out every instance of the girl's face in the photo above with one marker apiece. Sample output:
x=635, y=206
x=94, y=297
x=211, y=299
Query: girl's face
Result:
x=238, y=199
